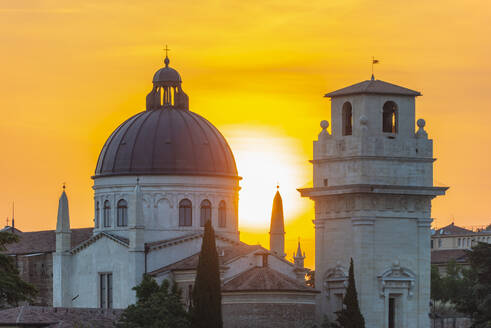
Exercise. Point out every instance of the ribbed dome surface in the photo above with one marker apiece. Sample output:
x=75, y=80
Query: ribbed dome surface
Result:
x=167, y=74
x=166, y=142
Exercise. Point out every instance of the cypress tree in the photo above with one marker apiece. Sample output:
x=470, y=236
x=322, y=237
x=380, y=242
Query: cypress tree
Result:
x=207, y=298
x=350, y=316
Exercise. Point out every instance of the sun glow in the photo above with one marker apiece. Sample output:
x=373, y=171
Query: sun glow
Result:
x=76, y=70
x=266, y=159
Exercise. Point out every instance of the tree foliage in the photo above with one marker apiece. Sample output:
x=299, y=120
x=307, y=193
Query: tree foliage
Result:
x=207, y=299
x=350, y=316
x=476, y=294
x=469, y=289
x=450, y=287
x=12, y=288
x=156, y=307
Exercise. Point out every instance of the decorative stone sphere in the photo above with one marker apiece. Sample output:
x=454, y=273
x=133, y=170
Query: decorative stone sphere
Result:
x=363, y=120
x=324, y=124
x=421, y=123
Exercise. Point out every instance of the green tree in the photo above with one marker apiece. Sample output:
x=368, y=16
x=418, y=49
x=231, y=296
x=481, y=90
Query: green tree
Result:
x=450, y=287
x=207, y=299
x=156, y=307
x=453, y=283
x=350, y=316
x=437, y=289
x=12, y=288
x=476, y=297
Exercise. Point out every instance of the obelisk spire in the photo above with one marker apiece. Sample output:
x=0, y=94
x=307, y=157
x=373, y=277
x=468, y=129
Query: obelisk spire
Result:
x=63, y=232
x=277, y=228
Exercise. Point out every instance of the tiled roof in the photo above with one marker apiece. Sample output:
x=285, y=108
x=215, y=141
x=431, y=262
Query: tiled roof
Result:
x=226, y=254
x=58, y=317
x=373, y=87
x=445, y=255
x=44, y=241
x=452, y=229
x=264, y=279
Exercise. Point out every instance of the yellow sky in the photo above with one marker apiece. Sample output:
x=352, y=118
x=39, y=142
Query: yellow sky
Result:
x=71, y=71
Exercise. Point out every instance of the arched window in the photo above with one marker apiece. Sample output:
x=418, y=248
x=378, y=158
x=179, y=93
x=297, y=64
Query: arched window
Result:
x=97, y=214
x=389, y=117
x=122, y=213
x=222, y=214
x=205, y=212
x=185, y=213
x=347, y=119
x=107, y=214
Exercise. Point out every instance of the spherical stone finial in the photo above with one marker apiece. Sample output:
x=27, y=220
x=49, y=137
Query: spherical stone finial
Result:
x=324, y=124
x=421, y=123
x=363, y=120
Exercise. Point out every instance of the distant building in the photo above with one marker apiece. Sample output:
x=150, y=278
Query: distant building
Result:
x=455, y=237
x=453, y=243
x=33, y=256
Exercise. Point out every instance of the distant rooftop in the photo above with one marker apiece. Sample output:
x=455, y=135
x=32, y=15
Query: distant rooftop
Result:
x=444, y=256
x=373, y=87
x=452, y=229
x=40, y=316
x=32, y=242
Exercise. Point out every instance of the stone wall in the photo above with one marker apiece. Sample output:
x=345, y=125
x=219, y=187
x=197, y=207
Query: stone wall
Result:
x=37, y=269
x=451, y=322
x=260, y=315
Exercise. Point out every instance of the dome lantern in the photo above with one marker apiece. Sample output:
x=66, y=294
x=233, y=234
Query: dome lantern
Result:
x=167, y=91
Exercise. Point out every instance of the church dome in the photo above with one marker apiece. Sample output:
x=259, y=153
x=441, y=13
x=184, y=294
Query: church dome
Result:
x=166, y=75
x=166, y=142
x=167, y=138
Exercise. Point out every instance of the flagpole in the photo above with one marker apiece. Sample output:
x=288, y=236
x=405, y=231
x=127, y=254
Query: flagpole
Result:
x=373, y=59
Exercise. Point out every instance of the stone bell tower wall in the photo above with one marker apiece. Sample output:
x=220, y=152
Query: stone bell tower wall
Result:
x=372, y=188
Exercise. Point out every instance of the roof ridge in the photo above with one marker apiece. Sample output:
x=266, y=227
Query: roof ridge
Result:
x=96, y=237
x=373, y=87
x=242, y=255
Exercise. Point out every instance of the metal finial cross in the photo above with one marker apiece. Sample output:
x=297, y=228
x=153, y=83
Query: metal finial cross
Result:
x=166, y=49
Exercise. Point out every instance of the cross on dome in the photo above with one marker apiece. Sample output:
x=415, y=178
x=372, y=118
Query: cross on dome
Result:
x=166, y=60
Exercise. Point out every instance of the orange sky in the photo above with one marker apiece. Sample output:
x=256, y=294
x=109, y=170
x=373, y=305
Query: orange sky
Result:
x=73, y=70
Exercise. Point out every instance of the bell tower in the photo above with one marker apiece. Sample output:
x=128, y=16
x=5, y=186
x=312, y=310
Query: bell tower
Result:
x=372, y=188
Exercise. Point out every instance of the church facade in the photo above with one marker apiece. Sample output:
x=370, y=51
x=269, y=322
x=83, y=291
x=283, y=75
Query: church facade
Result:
x=160, y=176
x=372, y=188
